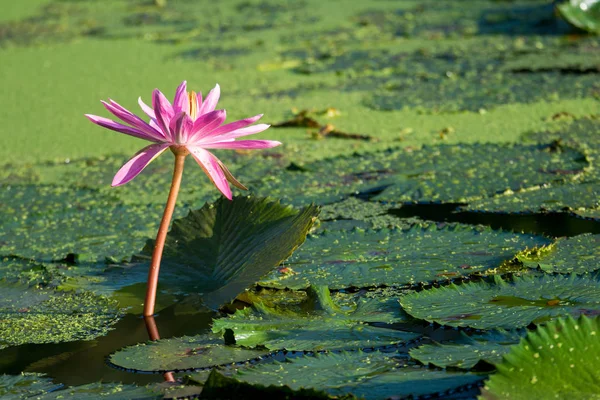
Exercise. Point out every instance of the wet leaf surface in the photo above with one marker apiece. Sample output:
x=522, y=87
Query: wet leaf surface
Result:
x=507, y=304
x=584, y=14
x=317, y=324
x=570, y=346
x=423, y=253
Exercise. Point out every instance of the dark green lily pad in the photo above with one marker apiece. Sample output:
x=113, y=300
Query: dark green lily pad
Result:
x=576, y=197
x=578, y=254
x=374, y=375
x=469, y=350
x=423, y=253
x=584, y=14
x=183, y=353
x=29, y=315
x=108, y=391
x=581, y=133
x=218, y=386
x=558, y=359
x=226, y=247
x=26, y=385
x=446, y=173
x=588, y=214
x=507, y=304
x=318, y=324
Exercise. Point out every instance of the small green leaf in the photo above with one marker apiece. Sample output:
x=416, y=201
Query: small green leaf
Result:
x=423, y=253
x=317, y=324
x=187, y=352
x=578, y=254
x=466, y=352
x=506, y=304
x=584, y=14
x=558, y=360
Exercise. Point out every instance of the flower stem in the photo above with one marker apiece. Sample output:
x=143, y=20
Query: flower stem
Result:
x=162, y=233
x=153, y=334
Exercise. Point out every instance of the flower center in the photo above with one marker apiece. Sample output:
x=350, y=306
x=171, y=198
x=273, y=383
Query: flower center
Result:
x=193, y=99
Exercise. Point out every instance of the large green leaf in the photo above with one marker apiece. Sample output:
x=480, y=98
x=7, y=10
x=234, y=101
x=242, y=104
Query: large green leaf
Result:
x=317, y=324
x=187, y=352
x=447, y=173
x=466, y=352
x=29, y=315
x=108, y=391
x=506, y=304
x=558, y=360
x=579, y=254
x=423, y=253
x=372, y=375
x=584, y=14
x=226, y=247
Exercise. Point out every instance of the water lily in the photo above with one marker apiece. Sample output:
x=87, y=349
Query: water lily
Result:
x=187, y=126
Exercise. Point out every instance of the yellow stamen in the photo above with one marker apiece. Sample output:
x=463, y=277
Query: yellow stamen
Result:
x=193, y=104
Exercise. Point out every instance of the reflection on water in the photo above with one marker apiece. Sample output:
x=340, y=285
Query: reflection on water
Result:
x=82, y=362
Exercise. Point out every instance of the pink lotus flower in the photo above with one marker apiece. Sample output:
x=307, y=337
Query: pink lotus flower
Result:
x=189, y=126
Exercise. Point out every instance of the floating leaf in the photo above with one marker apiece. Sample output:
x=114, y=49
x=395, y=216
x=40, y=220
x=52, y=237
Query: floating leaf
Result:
x=447, y=173
x=553, y=198
x=187, y=352
x=28, y=315
x=559, y=360
x=25, y=385
x=108, y=391
x=578, y=254
x=584, y=14
x=373, y=375
x=466, y=352
x=354, y=213
x=588, y=214
x=423, y=253
x=226, y=247
x=317, y=324
x=506, y=304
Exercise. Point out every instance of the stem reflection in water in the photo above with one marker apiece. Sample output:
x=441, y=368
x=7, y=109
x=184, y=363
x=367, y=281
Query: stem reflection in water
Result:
x=153, y=334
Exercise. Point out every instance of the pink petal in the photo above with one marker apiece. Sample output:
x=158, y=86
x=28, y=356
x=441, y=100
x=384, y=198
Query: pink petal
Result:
x=138, y=162
x=163, y=112
x=251, y=130
x=125, y=115
x=145, y=108
x=210, y=103
x=211, y=167
x=242, y=144
x=205, y=124
x=232, y=126
x=181, y=101
x=181, y=127
x=199, y=100
x=115, y=126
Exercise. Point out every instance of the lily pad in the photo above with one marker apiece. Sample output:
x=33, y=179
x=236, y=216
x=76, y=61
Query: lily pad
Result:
x=373, y=375
x=507, y=304
x=584, y=14
x=318, y=324
x=183, y=353
x=572, y=350
x=108, y=391
x=422, y=253
x=578, y=254
x=588, y=214
x=468, y=351
x=25, y=385
x=29, y=315
x=226, y=247
x=445, y=173
x=576, y=197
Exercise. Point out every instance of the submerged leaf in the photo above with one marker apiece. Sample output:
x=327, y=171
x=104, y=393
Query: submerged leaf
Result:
x=423, y=253
x=317, y=324
x=372, y=375
x=558, y=360
x=506, y=304
x=187, y=352
x=25, y=385
x=226, y=247
x=578, y=254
